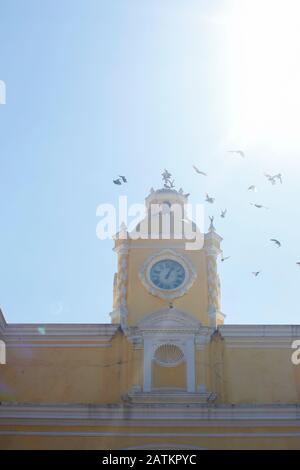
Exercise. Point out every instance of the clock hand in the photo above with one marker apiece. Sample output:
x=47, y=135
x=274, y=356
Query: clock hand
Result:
x=168, y=275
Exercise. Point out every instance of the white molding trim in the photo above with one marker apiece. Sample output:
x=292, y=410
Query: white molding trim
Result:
x=290, y=331
x=259, y=336
x=167, y=253
x=170, y=326
x=185, y=342
x=251, y=435
x=151, y=414
x=27, y=334
x=169, y=319
x=162, y=423
x=117, y=411
x=58, y=345
x=168, y=446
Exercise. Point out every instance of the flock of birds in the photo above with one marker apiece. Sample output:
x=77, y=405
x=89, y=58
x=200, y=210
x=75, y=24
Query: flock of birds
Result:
x=169, y=184
x=273, y=179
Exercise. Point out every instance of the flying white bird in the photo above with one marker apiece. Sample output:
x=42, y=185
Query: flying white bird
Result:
x=273, y=178
x=223, y=213
x=237, y=152
x=224, y=259
x=252, y=188
x=270, y=178
x=117, y=181
x=259, y=206
x=209, y=199
x=199, y=171
x=256, y=273
x=298, y=263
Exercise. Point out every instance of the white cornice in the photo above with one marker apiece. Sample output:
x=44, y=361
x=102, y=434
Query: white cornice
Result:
x=285, y=331
x=45, y=333
x=235, y=336
x=259, y=336
x=201, y=414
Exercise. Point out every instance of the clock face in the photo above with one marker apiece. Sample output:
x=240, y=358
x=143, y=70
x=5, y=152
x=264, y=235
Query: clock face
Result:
x=167, y=274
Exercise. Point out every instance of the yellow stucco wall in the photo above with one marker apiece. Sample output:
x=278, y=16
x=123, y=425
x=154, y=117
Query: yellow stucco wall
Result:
x=66, y=373
x=141, y=303
x=169, y=377
x=96, y=366
x=170, y=436
x=93, y=374
x=262, y=376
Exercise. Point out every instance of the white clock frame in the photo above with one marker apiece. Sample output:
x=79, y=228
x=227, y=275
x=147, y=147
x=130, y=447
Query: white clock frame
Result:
x=190, y=274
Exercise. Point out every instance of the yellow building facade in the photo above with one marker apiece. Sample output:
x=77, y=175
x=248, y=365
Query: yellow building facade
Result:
x=166, y=373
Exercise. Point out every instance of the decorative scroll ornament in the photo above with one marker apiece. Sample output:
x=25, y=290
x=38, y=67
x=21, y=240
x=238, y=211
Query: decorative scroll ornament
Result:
x=120, y=304
x=213, y=284
x=211, y=226
x=168, y=182
x=214, y=291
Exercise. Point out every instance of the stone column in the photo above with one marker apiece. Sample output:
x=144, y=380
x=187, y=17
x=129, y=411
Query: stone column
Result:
x=148, y=356
x=119, y=313
x=212, y=248
x=201, y=343
x=190, y=365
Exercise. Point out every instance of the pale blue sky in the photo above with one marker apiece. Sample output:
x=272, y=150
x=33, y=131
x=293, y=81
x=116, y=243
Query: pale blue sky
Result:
x=100, y=88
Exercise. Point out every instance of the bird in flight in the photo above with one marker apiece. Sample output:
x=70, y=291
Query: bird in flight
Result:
x=237, y=152
x=298, y=263
x=225, y=258
x=273, y=178
x=255, y=273
x=117, y=181
x=279, y=177
x=252, y=188
x=259, y=206
x=209, y=199
x=277, y=242
x=123, y=178
x=199, y=171
x=270, y=178
x=223, y=213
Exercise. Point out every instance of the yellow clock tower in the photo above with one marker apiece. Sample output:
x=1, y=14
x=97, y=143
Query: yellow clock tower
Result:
x=167, y=296
x=166, y=373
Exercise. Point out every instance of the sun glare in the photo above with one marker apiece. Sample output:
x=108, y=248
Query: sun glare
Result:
x=264, y=73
